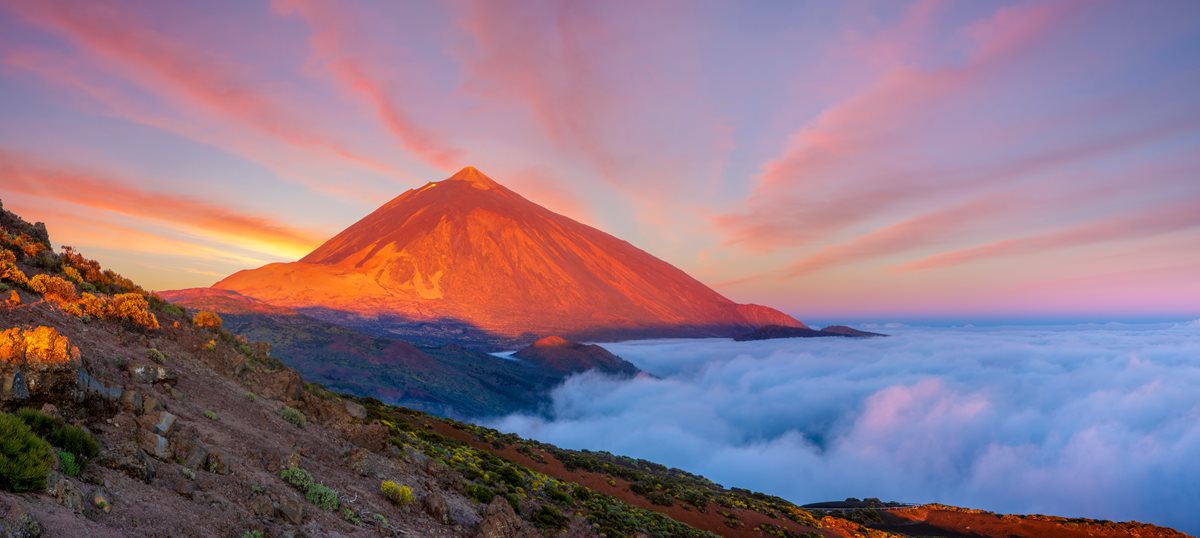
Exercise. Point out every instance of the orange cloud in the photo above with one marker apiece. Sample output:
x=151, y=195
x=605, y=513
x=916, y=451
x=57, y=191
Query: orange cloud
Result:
x=329, y=24
x=28, y=176
x=1149, y=222
x=178, y=73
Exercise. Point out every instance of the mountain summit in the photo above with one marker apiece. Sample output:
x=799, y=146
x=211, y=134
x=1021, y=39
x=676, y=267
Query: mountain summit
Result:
x=469, y=250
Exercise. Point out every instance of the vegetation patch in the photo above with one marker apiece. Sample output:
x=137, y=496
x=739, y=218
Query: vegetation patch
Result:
x=24, y=457
x=68, y=437
x=315, y=492
x=399, y=495
x=294, y=416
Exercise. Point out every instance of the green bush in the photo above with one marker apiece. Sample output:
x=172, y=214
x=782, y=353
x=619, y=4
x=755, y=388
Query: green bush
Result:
x=68, y=437
x=156, y=355
x=67, y=464
x=350, y=515
x=24, y=457
x=211, y=415
x=482, y=494
x=548, y=517
x=322, y=496
x=315, y=492
x=294, y=416
x=297, y=477
x=253, y=534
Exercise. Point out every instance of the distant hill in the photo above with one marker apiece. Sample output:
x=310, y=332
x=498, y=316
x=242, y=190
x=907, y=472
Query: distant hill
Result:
x=560, y=355
x=771, y=332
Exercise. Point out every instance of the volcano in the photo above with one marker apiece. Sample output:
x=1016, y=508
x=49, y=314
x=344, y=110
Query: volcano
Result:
x=468, y=250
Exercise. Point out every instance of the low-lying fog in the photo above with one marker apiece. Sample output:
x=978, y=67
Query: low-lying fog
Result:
x=1091, y=420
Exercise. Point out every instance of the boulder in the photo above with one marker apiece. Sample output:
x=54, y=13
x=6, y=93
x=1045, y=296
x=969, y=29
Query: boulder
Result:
x=162, y=424
x=216, y=462
x=155, y=445
x=261, y=506
x=196, y=457
x=501, y=522
x=154, y=374
x=64, y=491
x=17, y=523
x=291, y=510
x=435, y=505
x=356, y=410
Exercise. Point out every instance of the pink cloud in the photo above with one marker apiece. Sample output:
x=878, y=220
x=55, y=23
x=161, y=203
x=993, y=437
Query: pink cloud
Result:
x=1148, y=222
x=330, y=41
x=68, y=74
x=194, y=78
x=834, y=171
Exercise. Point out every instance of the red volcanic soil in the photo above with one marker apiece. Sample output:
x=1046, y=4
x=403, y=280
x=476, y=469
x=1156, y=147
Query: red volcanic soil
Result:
x=952, y=522
x=471, y=250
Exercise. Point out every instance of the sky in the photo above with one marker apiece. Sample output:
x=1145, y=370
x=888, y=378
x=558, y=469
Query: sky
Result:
x=1094, y=420
x=832, y=159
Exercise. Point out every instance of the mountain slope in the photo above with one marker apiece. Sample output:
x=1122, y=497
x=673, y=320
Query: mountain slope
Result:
x=469, y=250
x=199, y=432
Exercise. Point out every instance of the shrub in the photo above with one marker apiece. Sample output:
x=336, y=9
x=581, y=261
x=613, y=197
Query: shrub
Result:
x=482, y=494
x=54, y=288
x=67, y=464
x=132, y=307
x=294, y=416
x=211, y=415
x=68, y=437
x=156, y=355
x=548, y=517
x=207, y=320
x=73, y=275
x=251, y=396
x=24, y=457
x=9, y=270
x=351, y=516
x=297, y=477
x=254, y=533
x=399, y=495
x=322, y=496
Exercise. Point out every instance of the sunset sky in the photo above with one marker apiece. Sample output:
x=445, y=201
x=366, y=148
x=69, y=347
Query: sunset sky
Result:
x=832, y=159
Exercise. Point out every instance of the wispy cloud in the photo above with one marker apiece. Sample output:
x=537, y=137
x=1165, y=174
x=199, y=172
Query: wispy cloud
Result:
x=1144, y=223
x=32, y=176
x=332, y=26
x=185, y=75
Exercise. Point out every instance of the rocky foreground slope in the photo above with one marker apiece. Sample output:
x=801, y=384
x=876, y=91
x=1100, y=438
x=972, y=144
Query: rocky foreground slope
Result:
x=122, y=415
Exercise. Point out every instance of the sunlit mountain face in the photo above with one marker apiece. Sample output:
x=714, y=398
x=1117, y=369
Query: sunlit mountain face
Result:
x=468, y=250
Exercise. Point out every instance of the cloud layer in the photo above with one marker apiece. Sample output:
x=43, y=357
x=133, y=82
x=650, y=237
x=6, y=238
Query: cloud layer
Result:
x=1095, y=421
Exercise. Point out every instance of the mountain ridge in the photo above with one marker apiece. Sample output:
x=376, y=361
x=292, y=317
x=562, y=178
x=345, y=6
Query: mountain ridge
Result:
x=469, y=249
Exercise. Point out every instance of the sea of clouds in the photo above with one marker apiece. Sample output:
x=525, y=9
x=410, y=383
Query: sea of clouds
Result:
x=1092, y=420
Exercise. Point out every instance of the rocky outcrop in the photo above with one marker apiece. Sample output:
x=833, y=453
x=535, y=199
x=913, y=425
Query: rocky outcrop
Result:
x=501, y=522
x=37, y=364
